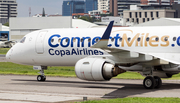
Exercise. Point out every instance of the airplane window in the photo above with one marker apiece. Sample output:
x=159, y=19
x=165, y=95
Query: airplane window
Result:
x=174, y=38
x=97, y=39
x=59, y=40
x=67, y=40
x=112, y=39
x=23, y=40
x=129, y=39
x=147, y=39
x=74, y=40
x=166, y=39
x=89, y=40
x=138, y=39
x=157, y=39
x=120, y=39
x=52, y=40
x=81, y=39
x=30, y=38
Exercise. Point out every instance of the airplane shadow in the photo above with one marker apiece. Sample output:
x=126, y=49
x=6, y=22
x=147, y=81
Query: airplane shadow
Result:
x=121, y=89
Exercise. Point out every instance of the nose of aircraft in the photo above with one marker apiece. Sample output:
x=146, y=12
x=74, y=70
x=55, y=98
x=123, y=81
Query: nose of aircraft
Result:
x=8, y=55
x=14, y=54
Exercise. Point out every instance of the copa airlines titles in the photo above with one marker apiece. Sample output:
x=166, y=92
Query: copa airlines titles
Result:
x=66, y=42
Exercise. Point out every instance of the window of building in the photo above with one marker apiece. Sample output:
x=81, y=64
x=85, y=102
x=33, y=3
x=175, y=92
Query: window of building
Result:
x=136, y=14
x=130, y=14
x=137, y=20
x=147, y=19
x=139, y=14
x=157, y=14
x=145, y=14
x=152, y=18
x=127, y=20
x=143, y=19
x=151, y=14
x=132, y=19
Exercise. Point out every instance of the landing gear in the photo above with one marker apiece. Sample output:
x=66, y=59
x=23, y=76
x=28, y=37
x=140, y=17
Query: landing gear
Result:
x=41, y=77
x=158, y=82
x=151, y=82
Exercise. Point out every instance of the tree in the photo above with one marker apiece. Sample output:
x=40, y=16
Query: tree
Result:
x=6, y=24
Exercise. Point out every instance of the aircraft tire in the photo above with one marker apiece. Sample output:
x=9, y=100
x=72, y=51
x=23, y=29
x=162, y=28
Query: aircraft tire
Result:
x=158, y=82
x=41, y=78
x=149, y=82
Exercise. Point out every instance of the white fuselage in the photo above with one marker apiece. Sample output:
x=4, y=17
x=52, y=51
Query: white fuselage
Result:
x=64, y=47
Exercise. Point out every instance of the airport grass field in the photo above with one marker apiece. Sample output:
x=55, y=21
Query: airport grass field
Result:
x=137, y=100
x=11, y=68
x=4, y=50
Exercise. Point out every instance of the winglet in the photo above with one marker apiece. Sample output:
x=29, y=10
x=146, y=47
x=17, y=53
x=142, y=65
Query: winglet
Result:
x=105, y=38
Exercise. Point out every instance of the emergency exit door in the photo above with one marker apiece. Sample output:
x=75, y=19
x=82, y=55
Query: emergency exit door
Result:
x=40, y=42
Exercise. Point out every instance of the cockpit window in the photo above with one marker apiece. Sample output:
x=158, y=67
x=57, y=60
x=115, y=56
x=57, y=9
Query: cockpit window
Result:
x=23, y=40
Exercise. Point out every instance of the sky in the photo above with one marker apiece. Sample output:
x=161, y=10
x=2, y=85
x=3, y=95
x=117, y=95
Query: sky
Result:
x=50, y=6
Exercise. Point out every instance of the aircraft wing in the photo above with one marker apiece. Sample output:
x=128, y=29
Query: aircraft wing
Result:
x=139, y=56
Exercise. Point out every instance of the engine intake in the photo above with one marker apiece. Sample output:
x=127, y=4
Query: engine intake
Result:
x=96, y=69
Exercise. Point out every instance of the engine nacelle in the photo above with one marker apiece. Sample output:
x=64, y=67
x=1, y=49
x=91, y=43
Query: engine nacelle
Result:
x=95, y=69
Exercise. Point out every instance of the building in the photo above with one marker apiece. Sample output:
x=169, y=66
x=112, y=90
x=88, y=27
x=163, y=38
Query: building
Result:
x=116, y=7
x=71, y=6
x=161, y=22
x=118, y=21
x=91, y=5
x=141, y=16
x=40, y=15
x=177, y=8
x=78, y=15
x=4, y=32
x=158, y=2
x=103, y=5
x=18, y=28
x=8, y=8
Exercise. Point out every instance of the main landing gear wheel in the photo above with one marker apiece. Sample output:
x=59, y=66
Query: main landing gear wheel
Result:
x=149, y=82
x=152, y=82
x=158, y=82
x=41, y=78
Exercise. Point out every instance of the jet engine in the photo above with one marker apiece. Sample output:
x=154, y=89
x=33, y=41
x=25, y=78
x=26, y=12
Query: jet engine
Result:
x=96, y=69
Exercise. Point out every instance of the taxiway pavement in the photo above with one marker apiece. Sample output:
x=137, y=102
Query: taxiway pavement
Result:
x=60, y=89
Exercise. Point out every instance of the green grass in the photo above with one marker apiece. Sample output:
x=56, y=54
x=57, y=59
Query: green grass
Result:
x=4, y=50
x=136, y=100
x=11, y=68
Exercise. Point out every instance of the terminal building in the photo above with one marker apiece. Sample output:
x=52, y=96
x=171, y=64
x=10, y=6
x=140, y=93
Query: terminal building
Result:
x=8, y=8
x=4, y=32
x=19, y=27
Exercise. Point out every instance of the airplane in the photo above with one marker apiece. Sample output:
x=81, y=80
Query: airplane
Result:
x=6, y=44
x=99, y=54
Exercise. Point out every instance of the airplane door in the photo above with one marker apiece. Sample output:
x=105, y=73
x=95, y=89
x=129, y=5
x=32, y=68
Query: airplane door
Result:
x=40, y=42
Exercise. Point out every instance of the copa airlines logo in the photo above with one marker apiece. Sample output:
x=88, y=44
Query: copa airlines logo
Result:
x=65, y=42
